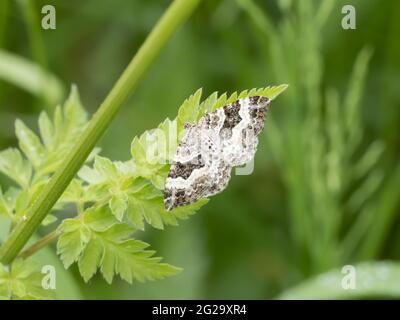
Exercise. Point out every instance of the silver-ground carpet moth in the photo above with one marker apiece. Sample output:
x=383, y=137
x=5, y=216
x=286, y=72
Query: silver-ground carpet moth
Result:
x=221, y=140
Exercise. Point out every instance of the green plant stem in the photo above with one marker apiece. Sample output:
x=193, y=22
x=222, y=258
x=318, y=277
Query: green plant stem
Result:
x=3, y=20
x=41, y=243
x=30, y=13
x=175, y=15
x=386, y=207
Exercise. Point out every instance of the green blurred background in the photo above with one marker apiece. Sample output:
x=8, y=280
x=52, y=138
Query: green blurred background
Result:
x=326, y=187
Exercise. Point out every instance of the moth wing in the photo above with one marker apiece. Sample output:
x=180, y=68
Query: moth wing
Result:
x=223, y=139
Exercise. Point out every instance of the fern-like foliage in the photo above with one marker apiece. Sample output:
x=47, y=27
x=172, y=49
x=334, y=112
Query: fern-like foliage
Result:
x=39, y=156
x=112, y=199
x=23, y=281
x=97, y=240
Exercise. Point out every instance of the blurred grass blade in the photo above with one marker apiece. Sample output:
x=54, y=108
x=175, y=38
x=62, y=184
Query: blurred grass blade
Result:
x=275, y=45
x=285, y=5
x=372, y=279
x=352, y=102
x=259, y=18
x=324, y=10
x=369, y=160
x=30, y=77
x=32, y=20
x=3, y=20
x=365, y=191
x=356, y=234
x=384, y=217
x=334, y=174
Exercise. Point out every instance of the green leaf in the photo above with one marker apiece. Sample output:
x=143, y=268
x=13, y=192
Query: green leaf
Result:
x=137, y=151
x=129, y=259
x=148, y=205
x=50, y=219
x=46, y=129
x=59, y=135
x=4, y=210
x=372, y=279
x=271, y=92
x=97, y=241
x=149, y=209
x=74, y=113
x=148, y=158
x=118, y=205
x=152, y=152
x=13, y=165
x=43, y=155
x=46, y=153
x=91, y=259
x=71, y=241
x=207, y=105
x=24, y=281
x=29, y=143
x=24, y=198
x=188, y=111
x=107, y=183
x=75, y=192
x=105, y=168
x=91, y=175
x=214, y=102
x=7, y=203
x=192, y=110
x=30, y=77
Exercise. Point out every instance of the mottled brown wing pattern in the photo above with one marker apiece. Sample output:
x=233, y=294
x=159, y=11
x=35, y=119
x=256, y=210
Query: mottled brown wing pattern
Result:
x=208, y=150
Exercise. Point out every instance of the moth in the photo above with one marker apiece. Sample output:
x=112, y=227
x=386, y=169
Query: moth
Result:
x=221, y=140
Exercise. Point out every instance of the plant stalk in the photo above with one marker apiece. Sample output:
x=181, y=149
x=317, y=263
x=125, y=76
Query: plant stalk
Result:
x=3, y=21
x=41, y=243
x=176, y=14
x=32, y=20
